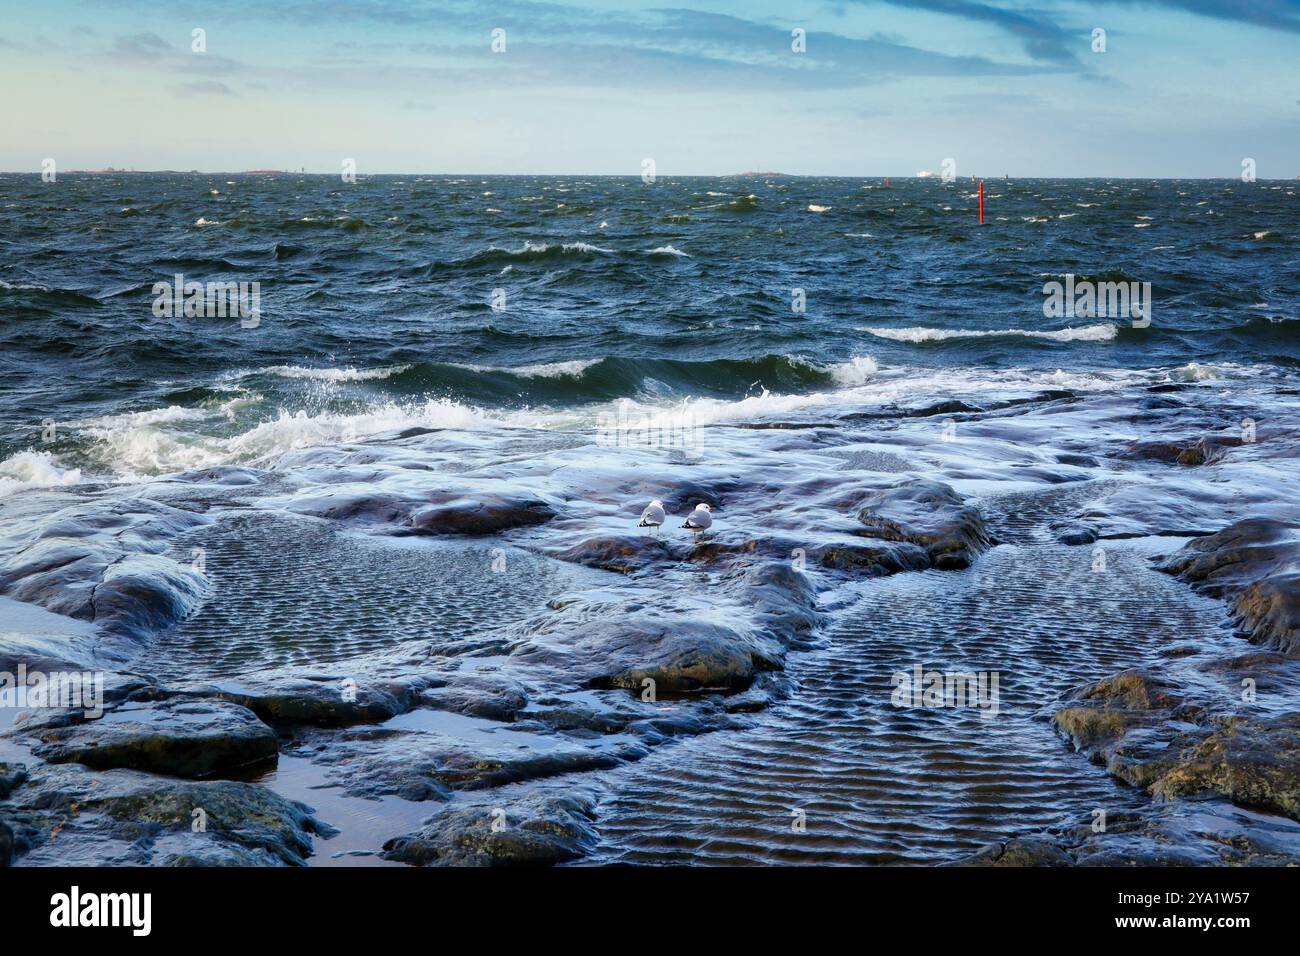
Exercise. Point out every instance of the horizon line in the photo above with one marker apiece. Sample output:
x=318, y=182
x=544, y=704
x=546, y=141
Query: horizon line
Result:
x=110, y=171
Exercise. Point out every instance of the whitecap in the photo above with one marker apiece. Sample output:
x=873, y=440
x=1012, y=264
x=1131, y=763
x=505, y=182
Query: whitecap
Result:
x=571, y=369
x=334, y=374
x=856, y=371
x=1195, y=372
x=1103, y=332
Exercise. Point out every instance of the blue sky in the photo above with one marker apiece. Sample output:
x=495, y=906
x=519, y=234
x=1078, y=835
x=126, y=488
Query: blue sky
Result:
x=885, y=87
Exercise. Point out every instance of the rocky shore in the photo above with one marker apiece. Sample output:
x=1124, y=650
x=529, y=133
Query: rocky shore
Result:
x=650, y=640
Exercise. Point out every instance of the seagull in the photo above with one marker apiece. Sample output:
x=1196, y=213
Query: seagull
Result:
x=699, y=520
x=653, y=516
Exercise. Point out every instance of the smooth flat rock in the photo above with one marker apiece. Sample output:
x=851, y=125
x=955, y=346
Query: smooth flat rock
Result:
x=175, y=737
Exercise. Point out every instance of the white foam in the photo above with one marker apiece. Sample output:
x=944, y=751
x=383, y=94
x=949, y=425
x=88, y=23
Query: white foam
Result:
x=34, y=469
x=139, y=448
x=530, y=248
x=1103, y=332
x=153, y=416
x=856, y=371
x=668, y=251
x=334, y=374
x=813, y=207
x=1195, y=372
x=553, y=369
x=270, y=439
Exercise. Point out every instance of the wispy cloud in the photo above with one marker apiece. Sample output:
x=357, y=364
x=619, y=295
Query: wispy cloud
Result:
x=205, y=88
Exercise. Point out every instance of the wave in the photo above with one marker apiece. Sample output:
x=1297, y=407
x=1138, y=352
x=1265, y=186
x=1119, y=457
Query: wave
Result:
x=600, y=379
x=333, y=374
x=142, y=444
x=34, y=469
x=856, y=371
x=570, y=369
x=1270, y=328
x=139, y=445
x=534, y=252
x=1103, y=332
x=1195, y=372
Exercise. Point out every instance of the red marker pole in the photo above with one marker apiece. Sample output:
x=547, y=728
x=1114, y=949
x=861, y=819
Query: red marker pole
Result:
x=981, y=202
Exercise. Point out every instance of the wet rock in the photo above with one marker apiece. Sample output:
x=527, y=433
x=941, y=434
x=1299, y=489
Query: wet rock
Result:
x=1022, y=851
x=426, y=764
x=1202, y=451
x=228, y=476
x=429, y=513
x=1205, y=832
x=679, y=653
x=929, y=514
x=877, y=559
x=1143, y=732
x=624, y=554
x=1254, y=763
x=1254, y=565
x=102, y=562
x=1135, y=724
x=1076, y=534
x=479, y=515
x=538, y=830
x=176, y=737
x=335, y=700
x=6, y=844
x=682, y=656
x=1174, y=507
x=67, y=814
x=359, y=507
x=951, y=407
x=11, y=775
x=1188, y=833
x=478, y=695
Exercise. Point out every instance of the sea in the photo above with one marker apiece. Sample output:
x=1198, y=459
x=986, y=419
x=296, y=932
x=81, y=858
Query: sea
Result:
x=777, y=346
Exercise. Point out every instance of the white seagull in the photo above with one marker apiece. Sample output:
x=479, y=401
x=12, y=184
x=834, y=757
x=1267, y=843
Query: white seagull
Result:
x=699, y=520
x=653, y=516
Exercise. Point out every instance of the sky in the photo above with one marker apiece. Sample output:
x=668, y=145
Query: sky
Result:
x=1184, y=88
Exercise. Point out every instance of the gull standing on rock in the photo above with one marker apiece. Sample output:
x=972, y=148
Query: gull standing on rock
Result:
x=699, y=520
x=653, y=516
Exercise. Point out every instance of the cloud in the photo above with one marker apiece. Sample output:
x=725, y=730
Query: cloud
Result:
x=1270, y=14
x=205, y=88
x=561, y=46
x=141, y=46
x=1043, y=39
x=149, y=50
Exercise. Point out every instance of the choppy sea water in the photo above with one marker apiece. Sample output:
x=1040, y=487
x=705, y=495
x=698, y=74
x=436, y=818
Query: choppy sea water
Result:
x=473, y=332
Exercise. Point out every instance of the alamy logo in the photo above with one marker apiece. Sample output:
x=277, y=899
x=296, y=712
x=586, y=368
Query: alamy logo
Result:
x=1087, y=299
x=103, y=909
x=75, y=690
x=209, y=300
x=938, y=689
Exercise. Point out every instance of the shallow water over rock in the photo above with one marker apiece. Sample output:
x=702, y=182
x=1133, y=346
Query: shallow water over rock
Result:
x=879, y=784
